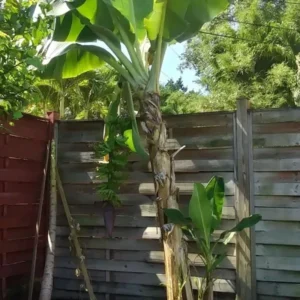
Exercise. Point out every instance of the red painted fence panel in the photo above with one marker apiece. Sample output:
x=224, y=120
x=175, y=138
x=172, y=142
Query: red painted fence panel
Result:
x=22, y=158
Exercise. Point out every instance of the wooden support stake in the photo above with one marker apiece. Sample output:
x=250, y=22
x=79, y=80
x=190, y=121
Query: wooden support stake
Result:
x=74, y=237
x=47, y=282
x=245, y=245
x=38, y=224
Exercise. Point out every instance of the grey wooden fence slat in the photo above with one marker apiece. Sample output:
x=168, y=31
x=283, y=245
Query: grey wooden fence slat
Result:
x=278, y=289
x=277, y=276
x=274, y=116
x=246, y=280
x=277, y=250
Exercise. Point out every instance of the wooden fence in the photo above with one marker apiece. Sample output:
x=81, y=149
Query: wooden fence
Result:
x=261, y=175
x=22, y=155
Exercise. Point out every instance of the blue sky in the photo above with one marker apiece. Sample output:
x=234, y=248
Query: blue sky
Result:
x=170, y=68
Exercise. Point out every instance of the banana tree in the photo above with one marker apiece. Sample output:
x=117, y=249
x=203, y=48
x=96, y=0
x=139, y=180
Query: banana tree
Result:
x=89, y=33
x=204, y=217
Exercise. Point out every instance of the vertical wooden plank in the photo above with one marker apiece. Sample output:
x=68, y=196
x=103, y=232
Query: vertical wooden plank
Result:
x=245, y=246
x=107, y=273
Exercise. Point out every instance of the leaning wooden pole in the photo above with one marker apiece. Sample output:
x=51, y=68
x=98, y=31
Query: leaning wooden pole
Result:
x=47, y=282
x=74, y=237
x=38, y=224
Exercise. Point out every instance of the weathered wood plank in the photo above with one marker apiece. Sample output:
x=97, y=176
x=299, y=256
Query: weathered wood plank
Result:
x=246, y=275
x=276, y=165
x=229, y=262
x=143, y=210
x=276, y=115
x=131, y=245
x=199, y=120
x=113, y=244
x=98, y=232
x=185, y=188
x=86, y=174
x=278, y=263
x=278, y=238
x=277, y=127
x=278, y=177
x=278, y=289
x=113, y=288
x=276, y=140
x=221, y=285
x=202, y=142
x=280, y=226
x=277, y=250
x=278, y=276
x=276, y=153
x=279, y=214
x=277, y=201
x=84, y=153
x=277, y=189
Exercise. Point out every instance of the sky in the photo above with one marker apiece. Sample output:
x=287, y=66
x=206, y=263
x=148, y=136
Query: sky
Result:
x=170, y=68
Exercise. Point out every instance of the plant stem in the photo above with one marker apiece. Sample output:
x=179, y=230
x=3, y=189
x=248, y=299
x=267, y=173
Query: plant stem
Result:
x=158, y=58
x=133, y=54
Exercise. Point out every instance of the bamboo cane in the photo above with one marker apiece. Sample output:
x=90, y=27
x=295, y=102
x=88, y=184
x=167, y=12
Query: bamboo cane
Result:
x=38, y=224
x=74, y=237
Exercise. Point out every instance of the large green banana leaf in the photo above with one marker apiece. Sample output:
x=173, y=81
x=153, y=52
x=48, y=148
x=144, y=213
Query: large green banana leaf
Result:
x=128, y=22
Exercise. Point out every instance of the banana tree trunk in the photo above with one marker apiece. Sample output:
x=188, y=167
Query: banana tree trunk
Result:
x=209, y=293
x=175, y=250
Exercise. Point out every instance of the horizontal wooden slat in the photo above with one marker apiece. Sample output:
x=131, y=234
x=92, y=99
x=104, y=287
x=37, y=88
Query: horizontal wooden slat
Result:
x=278, y=238
x=277, y=201
x=86, y=174
x=19, y=269
x=276, y=115
x=276, y=165
x=282, y=227
x=19, y=245
x=221, y=285
x=278, y=177
x=129, y=194
x=278, y=276
x=277, y=189
x=83, y=132
x=279, y=214
x=129, y=244
x=97, y=232
x=11, y=175
x=277, y=127
x=84, y=153
x=113, y=288
x=276, y=140
x=143, y=219
x=200, y=142
x=229, y=262
x=199, y=120
x=278, y=263
x=278, y=289
x=276, y=153
x=18, y=221
x=17, y=147
x=28, y=127
x=277, y=250
x=12, y=198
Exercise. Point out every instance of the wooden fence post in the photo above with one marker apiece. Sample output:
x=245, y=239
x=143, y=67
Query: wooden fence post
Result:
x=245, y=243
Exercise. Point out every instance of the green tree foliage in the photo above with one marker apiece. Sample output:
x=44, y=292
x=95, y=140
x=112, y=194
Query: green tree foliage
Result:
x=251, y=50
x=19, y=39
x=176, y=100
x=84, y=97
